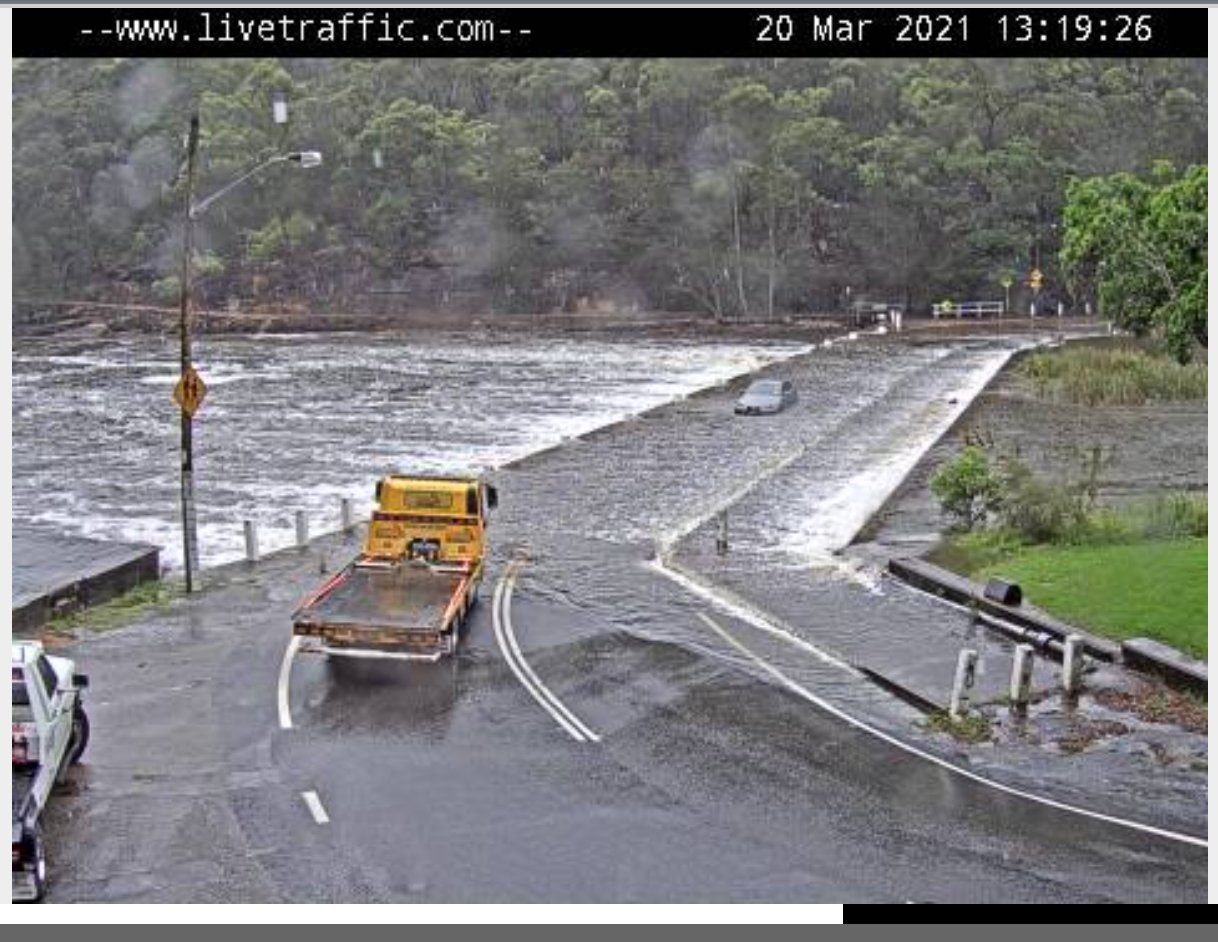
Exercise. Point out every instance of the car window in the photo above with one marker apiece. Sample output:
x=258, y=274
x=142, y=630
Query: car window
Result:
x=49, y=680
x=22, y=711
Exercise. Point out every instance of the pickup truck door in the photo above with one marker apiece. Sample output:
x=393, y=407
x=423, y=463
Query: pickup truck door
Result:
x=51, y=703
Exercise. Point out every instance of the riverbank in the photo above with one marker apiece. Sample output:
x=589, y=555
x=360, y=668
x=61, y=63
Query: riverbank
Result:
x=42, y=318
x=1123, y=719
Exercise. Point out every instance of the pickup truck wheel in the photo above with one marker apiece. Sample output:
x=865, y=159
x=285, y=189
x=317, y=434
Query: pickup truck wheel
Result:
x=38, y=849
x=80, y=736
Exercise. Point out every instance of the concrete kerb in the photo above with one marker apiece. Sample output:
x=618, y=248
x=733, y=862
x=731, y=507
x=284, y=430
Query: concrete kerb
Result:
x=955, y=588
x=1175, y=667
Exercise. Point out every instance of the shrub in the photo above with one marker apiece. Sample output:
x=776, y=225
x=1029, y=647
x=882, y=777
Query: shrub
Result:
x=1171, y=516
x=967, y=487
x=1040, y=512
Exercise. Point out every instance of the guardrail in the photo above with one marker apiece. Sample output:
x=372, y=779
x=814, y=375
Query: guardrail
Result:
x=968, y=309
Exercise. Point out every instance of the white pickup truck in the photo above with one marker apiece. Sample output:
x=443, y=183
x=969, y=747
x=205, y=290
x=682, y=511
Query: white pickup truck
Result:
x=50, y=732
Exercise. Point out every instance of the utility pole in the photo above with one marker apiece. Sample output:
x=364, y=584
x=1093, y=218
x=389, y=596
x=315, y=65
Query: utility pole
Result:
x=190, y=530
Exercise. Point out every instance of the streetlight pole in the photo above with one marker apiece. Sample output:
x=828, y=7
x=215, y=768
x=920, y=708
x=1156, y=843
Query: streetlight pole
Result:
x=190, y=529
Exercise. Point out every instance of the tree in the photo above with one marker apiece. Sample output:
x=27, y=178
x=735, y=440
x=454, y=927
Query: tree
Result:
x=1141, y=245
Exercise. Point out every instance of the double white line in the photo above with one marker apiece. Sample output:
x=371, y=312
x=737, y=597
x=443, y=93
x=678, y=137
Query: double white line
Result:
x=501, y=617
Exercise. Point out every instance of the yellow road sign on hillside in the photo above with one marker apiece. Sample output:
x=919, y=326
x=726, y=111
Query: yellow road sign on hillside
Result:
x=1035, y=277
x=190, y=392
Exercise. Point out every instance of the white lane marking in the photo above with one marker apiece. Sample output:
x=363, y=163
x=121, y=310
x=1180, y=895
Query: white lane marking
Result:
x=510, y=633
x=315, y=807
x=535, y=688
x=738, y=609
x=285, y=677
x=942, y=763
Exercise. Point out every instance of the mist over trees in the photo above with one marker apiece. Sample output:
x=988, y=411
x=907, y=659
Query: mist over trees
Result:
x=737, y=188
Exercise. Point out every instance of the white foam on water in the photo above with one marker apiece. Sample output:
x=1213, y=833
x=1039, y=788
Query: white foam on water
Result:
x=829, y=521
x=296, y=423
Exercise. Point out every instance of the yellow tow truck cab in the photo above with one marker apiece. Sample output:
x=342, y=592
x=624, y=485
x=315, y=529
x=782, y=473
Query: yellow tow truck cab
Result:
x=409, y=592
x=440, y=519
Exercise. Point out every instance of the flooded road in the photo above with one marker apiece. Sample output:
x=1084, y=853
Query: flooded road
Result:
x=448, y=782
x=296, y=422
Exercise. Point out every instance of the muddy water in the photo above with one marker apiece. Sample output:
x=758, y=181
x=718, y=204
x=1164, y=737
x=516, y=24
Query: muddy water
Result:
x=297, y=422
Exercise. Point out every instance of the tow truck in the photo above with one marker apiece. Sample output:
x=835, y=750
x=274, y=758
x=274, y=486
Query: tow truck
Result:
x=50, y=732
x=410, y=590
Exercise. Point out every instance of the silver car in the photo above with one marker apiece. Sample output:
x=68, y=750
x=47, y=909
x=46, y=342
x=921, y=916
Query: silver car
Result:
x=766, y=396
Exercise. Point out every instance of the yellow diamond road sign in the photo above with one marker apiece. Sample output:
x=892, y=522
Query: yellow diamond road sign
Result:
x=1035, y=278
x=190, y=391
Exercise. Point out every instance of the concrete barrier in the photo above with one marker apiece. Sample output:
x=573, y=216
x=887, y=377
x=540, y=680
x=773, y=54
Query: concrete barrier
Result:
x=1177, y=669
x=956, y=588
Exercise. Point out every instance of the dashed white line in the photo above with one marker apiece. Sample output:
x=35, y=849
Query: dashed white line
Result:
x=942, y=763
x=501, y=619
x=315, y=807
x=285, y=677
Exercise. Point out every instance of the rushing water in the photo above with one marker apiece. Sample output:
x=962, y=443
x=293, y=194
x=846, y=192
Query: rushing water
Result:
x=297, y=422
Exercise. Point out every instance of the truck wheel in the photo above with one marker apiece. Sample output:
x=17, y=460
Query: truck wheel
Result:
x=38, y=849
x=80, y=735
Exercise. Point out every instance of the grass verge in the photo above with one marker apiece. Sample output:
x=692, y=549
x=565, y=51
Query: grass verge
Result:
x=1153, y=589
x=119, y=611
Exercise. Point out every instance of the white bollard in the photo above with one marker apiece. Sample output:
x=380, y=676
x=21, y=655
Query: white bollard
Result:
x=302, y=529
x=1061, y=308
x=346, y=514
x=966, y=676
x=1021, y=676
x=1072, y=665
x=251, y=541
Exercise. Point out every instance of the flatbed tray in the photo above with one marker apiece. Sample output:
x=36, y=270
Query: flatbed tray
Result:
x=405, y=597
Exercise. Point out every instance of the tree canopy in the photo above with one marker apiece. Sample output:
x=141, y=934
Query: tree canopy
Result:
x=1142, y=244
x=743, y=187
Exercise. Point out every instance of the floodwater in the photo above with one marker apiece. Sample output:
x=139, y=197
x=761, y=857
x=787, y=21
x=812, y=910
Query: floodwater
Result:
x=298, y=422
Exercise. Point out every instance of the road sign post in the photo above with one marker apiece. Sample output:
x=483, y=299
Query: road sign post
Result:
x=190, y=530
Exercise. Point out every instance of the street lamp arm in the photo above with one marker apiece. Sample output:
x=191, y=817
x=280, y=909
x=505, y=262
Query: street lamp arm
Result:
x=306, y=158
x=197, y=209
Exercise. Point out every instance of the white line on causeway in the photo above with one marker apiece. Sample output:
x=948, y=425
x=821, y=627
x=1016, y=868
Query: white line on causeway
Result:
x=285, y=677
x=942, y=763
x=740, y=610
x=315, y=807
x=505, y=635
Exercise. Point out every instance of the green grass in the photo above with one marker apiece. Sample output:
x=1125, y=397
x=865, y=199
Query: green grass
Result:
x=1114, y=374
x=1153, y=589
x=120, y=611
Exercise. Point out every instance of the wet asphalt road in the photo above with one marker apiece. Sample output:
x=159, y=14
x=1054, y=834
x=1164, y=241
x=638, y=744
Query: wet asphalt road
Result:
x=447, y=782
